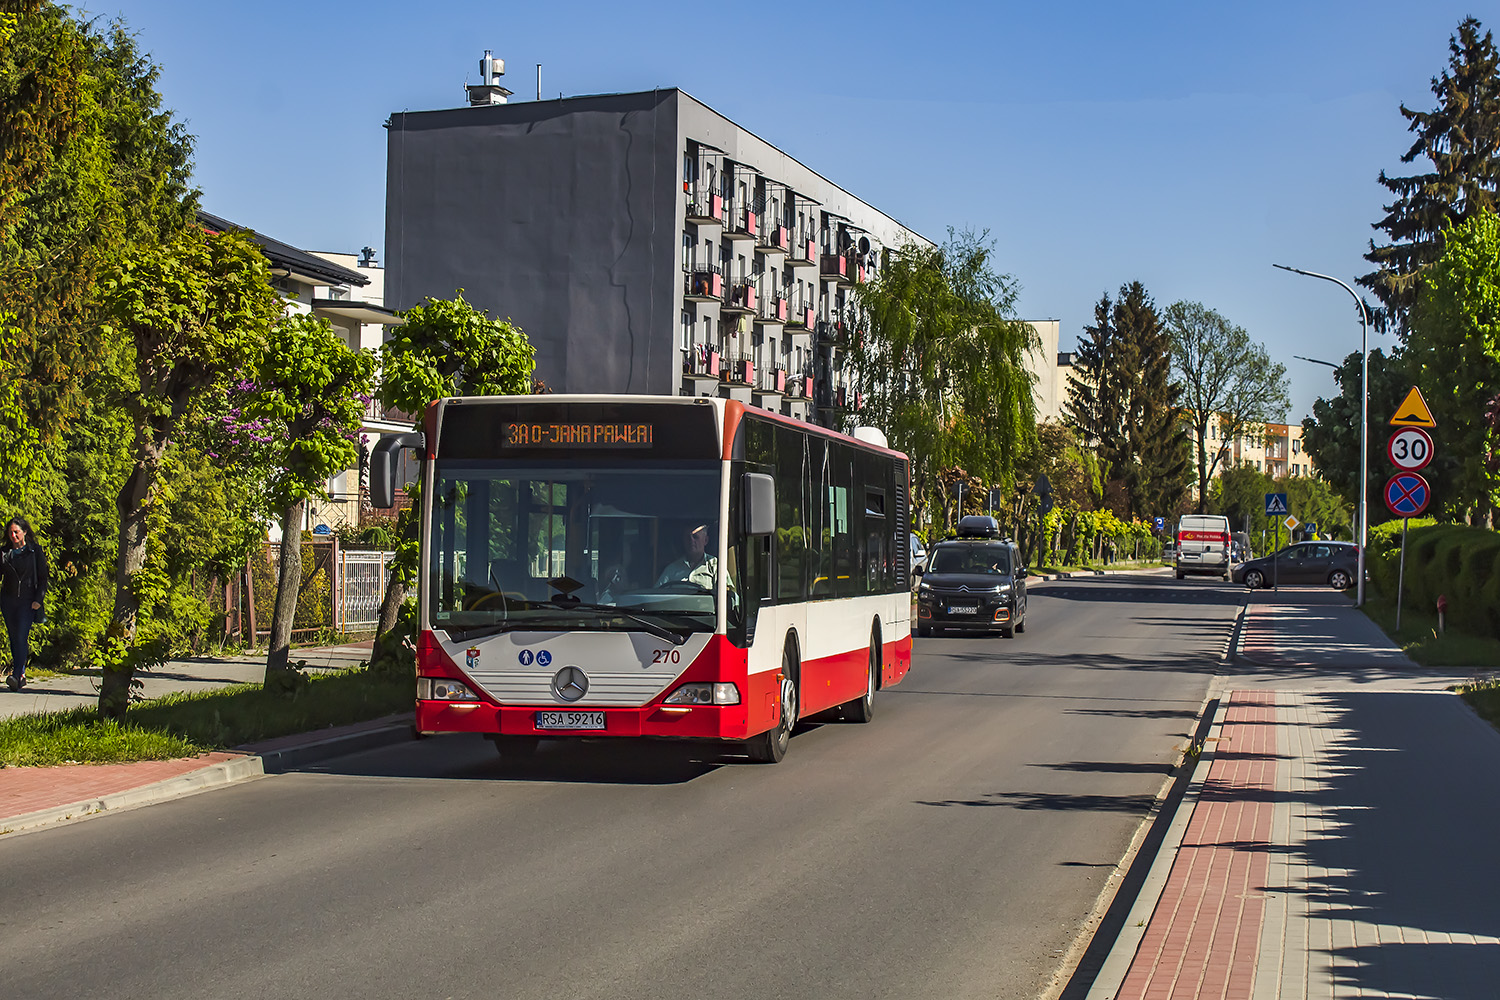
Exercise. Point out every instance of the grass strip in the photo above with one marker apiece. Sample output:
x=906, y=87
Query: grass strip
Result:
x=1420, y=640
x=1484, y=695
x=183, y=725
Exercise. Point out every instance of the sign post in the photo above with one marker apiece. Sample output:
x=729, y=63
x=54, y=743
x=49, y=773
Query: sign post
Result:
x=1407, y=493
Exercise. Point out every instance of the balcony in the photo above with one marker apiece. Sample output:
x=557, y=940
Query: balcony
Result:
x=836, y=267
x=743, y=224
x=742, y=299
x=801, y=316
x=702, y=362
x=773, y=309
x=832, y=333
x=702, y=282
x=740, y=370
x=772, y=382
x=774, y=239
x=704, y=207
x=804, y=251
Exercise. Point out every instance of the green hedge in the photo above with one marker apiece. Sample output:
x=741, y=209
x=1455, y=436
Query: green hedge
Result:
x=1451, y=560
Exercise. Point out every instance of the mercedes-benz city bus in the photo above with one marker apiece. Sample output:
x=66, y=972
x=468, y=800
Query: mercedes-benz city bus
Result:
x=606, y=566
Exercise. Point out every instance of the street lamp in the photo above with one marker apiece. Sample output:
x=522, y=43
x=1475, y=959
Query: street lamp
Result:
x=1364, y=421
x=1315, y=361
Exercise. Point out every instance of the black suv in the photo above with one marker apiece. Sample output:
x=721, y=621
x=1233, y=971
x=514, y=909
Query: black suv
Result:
x=973, y=581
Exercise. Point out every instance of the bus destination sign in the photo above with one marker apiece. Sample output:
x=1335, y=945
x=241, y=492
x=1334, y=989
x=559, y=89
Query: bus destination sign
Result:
x=577, y=435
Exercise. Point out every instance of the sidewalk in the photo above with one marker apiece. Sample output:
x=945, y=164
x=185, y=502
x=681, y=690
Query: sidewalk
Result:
x=1336, y=839
x=32, y=797
x=202, y=673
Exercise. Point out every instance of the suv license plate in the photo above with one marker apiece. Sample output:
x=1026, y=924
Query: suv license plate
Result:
x=570, y=720
x=963, y=611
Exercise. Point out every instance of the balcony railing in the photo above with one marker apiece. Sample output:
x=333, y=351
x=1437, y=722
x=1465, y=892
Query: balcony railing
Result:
x=773, y=309
x=742, y=297
x=835, y=266
x=804, y=246
x=740, y=370
x=704, y=206
x=702, y=360
x=702, y=282
x=772, y=380
x=774, y=238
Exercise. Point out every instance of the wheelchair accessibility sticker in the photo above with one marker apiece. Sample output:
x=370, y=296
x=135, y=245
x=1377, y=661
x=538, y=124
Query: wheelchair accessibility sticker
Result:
x=542, y=658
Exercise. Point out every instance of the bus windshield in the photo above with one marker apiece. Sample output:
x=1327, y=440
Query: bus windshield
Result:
x=573, y=545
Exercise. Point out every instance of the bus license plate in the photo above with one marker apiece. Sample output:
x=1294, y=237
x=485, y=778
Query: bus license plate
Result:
x=570, y=720
x=963, y=611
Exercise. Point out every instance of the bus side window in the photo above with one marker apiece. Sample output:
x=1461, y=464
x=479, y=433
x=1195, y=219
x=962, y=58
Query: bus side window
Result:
x=791, y=519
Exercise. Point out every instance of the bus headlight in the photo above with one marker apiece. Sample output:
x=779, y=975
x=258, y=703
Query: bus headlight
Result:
x=443, y=689
x=721, y=693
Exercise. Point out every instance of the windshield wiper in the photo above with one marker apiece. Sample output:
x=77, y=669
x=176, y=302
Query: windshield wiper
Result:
x=485, y=631
x=676, y=636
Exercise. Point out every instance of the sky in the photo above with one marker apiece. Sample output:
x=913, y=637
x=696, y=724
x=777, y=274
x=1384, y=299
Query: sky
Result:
x=1188, y=146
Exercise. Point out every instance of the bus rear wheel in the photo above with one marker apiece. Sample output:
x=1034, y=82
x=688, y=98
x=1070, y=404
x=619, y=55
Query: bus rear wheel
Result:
x=771, y=746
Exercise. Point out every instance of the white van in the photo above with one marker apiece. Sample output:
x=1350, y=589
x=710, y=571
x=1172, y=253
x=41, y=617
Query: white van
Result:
x=1203, y=545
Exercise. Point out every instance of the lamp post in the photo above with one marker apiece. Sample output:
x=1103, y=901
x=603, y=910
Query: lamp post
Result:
x=1364, y=422
x=1315, y=361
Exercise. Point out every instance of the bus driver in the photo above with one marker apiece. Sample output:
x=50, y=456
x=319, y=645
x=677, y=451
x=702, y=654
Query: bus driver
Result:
x=695, y=565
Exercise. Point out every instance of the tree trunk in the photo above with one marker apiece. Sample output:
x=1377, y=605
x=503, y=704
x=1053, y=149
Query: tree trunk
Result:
x=119, y=669
x=390, y=607
x=288, y=587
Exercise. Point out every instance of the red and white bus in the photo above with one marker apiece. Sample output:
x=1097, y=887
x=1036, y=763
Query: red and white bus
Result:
x=651, y=567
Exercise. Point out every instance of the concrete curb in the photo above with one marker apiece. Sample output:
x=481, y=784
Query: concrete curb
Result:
x=252, y=765
x=1117, y=964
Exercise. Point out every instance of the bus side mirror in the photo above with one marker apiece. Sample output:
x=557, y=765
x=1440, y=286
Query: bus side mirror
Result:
x=760, y=504
x=383, y=466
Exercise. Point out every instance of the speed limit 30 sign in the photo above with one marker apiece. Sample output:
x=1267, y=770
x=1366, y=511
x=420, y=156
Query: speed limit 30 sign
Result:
x=1409, y=449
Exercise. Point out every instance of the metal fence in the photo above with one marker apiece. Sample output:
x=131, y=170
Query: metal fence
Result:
x=341, y=591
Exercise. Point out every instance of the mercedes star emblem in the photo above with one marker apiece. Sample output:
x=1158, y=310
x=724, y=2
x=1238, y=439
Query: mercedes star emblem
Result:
x=570, y=684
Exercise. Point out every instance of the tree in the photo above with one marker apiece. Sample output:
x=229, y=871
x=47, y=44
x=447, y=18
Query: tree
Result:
x=1124, y=403
x=445, y=347
x=312, y=388
x=1229, y=382
x=193, y=311
x=1453, y=355
x=1095, y=396
x=1460, y=138
x=1331, y=435
x=943, y=369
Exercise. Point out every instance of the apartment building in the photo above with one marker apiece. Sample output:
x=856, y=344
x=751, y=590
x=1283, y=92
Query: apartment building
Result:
x=1277, y=452
x=644, y=242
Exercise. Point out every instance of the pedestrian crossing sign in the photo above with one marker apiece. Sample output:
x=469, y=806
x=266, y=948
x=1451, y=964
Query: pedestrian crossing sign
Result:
x=1276, y=504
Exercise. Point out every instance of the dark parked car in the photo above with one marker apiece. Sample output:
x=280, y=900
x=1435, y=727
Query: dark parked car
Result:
x=974, y=582
x=1333, y=563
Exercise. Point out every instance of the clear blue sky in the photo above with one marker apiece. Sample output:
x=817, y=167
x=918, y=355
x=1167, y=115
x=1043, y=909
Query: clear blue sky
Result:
x=1185, y=145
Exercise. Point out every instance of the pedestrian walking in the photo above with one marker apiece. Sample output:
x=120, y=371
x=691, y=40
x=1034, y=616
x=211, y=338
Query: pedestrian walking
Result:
x=23, y=588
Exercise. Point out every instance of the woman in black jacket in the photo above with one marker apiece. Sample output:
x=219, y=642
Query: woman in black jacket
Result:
x=23, y=587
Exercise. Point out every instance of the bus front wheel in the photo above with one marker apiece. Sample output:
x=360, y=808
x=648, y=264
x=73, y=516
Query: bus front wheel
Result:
x=770, y=746
x=862, y=709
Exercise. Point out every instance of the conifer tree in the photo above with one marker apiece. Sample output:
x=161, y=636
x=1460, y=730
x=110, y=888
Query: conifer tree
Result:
x=1093, y=407
x=1460, y=139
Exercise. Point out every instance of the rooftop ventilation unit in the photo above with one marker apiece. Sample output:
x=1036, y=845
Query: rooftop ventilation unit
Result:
x=488, y=91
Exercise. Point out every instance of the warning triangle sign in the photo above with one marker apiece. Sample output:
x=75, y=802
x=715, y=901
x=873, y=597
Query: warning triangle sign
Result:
x=1413, y=411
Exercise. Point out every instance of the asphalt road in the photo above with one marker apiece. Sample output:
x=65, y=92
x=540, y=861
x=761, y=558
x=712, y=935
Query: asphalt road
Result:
x=953, y=848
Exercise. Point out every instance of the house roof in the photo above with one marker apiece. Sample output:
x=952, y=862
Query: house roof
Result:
x=287, y=258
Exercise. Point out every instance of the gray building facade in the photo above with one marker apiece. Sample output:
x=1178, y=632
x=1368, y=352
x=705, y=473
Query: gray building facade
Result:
x=644, y=242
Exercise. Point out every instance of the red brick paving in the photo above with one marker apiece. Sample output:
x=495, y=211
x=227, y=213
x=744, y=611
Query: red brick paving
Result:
x=29, y=789
x=1204, y=936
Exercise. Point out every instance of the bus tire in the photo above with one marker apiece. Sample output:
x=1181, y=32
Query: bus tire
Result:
x=771, y=746
x=515, y=747
x=862, y=709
